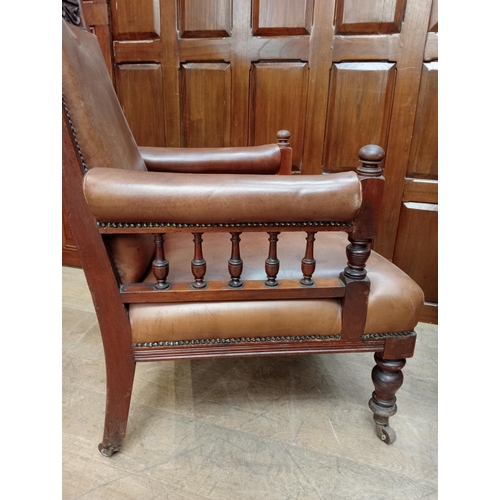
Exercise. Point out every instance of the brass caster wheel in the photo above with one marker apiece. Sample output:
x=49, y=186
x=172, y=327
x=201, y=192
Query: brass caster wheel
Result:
x=386, y=434
x=106, y=452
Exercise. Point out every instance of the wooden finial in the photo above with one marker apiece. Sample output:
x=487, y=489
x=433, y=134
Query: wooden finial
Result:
x=283, y=137
x=371, y=158
x=286, y=152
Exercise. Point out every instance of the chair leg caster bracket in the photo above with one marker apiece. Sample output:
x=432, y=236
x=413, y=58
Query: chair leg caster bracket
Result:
x=387, y=378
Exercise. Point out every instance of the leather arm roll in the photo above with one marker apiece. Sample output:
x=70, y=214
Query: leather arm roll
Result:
x=248, y=160
x=115, y=195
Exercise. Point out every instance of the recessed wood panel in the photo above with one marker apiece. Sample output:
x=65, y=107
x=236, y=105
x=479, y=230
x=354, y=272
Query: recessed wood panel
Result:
x=421, y=190
x=205, y=102
x=137, y=20
x=359, y=110
x=278, y=101
x=205, y=18
x=282, y=17
x=416, y=251
x=97, y=19
x=423, y=161
x=369, y=17
x=140, y=91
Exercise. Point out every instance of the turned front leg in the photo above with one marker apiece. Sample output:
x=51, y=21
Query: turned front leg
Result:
x=387, y=378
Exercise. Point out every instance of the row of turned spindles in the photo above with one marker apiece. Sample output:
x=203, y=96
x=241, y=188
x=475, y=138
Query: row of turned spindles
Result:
x=235, y=263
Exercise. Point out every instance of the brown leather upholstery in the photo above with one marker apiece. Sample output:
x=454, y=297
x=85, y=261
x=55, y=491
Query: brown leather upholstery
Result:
x=127, y=196
x=251, y=160
x=104, y=137
x=93, y=105
x=394, y=303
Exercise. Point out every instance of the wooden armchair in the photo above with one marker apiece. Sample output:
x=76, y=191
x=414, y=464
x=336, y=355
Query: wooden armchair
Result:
x=201, y=253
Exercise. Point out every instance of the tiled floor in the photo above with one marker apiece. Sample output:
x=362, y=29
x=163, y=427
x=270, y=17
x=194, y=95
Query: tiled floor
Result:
x=261, y=428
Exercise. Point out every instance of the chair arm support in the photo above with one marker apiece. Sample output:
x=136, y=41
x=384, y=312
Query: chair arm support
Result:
x=245, y=160
x=116, y=195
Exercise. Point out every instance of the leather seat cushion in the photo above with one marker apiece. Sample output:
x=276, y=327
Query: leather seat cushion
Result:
x=394, y=304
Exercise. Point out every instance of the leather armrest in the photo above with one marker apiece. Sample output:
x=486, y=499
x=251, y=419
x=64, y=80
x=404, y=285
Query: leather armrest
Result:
x=246, y=160
x=116, y=195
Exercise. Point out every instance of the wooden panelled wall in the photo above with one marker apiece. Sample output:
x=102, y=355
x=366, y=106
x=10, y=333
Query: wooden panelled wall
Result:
x=337, y=74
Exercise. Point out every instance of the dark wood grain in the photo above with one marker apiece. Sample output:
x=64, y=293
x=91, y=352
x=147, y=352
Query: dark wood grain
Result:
x=374, y=17
x=111, y=313
x=264, y=349
x=423, y=161
x=143, y=110
x=420, y=190
x=278, y=101
x=205, y=19
x=198, y=264
x=282, y=17
x=359, y=111
x=235, y=263
x=206, y=104
x=418, y=255
x=160, y=264
x=221, y=291
x=272, y=265
x=308, y=262
x=137, y=20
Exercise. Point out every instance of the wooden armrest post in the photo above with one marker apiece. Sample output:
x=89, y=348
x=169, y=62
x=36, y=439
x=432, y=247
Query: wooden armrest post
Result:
x=286, y=152
x=354, y=277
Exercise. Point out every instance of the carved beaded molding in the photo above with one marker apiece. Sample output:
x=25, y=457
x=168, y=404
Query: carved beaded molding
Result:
x=373, y=336
x=237, y=340
x=113, y=225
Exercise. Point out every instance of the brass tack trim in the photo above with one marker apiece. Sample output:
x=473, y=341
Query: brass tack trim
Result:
x=297, y=338
x=73, y=133
x=104, y=225
x=372, y=336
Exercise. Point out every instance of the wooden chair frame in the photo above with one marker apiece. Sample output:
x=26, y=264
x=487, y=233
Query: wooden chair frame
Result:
x=352, y=288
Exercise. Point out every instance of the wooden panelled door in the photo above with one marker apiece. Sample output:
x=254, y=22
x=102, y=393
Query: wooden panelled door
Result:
x=338, y=74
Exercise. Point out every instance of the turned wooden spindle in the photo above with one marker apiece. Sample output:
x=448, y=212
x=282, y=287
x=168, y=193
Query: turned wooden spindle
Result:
x=309, y=262
x=198, y=264
x=272, y=262
x=357, y=255
x=283, y=137
x=235, y=264
x=160, y=264
x=387, y=378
